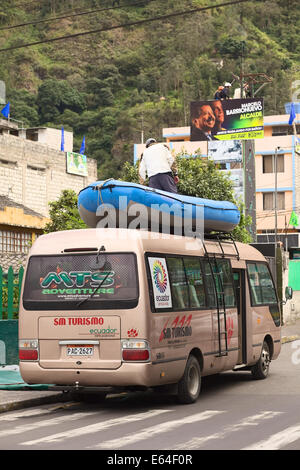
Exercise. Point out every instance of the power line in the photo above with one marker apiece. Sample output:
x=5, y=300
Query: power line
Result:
x=72, y=15
x=126, y=25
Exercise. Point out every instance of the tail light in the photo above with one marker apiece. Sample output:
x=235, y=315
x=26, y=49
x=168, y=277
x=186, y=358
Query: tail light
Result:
x=28, y=350
x=135, y=350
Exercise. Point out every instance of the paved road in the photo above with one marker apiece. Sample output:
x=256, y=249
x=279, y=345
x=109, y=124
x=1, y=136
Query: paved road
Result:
x=233, y=412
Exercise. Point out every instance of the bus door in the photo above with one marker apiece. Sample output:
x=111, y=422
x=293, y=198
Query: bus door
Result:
x=239, y=278
x=221, y=296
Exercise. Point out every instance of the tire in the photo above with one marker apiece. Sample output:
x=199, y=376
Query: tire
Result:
x=189, y=385
x=260, y=370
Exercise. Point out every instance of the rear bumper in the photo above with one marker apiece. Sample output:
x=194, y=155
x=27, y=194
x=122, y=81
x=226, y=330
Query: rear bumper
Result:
x=127, y=376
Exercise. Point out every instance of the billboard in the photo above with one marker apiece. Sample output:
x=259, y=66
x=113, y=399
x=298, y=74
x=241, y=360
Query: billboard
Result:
x=227, y=119
x=77, y=164
x=225, y=151
x=230, y=153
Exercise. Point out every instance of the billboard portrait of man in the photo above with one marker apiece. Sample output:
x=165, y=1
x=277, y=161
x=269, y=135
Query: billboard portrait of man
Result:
x=218, y=110
x=203, y=121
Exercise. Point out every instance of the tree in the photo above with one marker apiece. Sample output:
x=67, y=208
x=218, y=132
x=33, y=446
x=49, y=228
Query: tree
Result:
x=199, y=177
x=55, y=96
x=64, y=213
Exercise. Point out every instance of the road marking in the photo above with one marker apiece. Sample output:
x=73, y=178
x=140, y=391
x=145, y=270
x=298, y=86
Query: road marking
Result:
x=45, y=423
x=96, y=427
x=248, y=421
x=152, y=431
x=278, y=440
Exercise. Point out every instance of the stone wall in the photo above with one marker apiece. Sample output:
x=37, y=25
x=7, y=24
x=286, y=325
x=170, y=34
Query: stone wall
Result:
x=33, y=174
x=16, y=260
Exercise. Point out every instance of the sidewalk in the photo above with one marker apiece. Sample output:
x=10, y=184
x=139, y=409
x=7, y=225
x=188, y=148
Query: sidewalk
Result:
x=290, y=331
x=15, y=394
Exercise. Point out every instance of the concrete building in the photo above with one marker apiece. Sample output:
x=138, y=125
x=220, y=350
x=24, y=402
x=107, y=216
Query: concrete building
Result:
x=44, y=135
x=48, y=136
x=33, y=172
x=19, y=227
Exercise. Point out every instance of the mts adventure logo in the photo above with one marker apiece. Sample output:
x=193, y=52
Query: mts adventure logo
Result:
x=76, y=282
x=179, y=328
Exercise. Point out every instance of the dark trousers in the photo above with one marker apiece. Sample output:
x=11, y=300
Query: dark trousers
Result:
x=163, y=181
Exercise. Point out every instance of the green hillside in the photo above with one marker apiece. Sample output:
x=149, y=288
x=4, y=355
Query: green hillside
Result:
x=111, y=85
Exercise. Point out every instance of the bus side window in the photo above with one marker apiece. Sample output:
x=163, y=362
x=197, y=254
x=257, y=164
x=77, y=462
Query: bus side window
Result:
x=195, y=282
x=209, y=283
x=179, y=287
x=227, y=282
x=255, y=287
x=261, y=284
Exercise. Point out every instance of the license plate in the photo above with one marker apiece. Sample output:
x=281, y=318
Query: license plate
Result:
x=86, y=350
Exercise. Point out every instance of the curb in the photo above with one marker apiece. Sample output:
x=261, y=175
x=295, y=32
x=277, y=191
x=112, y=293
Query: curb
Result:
x=289, y=339
x=27, y=403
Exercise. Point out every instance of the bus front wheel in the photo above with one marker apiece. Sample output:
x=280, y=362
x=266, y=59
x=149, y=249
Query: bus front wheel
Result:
x=190, y=384
x=261, y=369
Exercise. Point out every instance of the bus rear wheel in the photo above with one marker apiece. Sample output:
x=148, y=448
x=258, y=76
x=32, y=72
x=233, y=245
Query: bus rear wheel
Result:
x=190, y=384
x=261, y=369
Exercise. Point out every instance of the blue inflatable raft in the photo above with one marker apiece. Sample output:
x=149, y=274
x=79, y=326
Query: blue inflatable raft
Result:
x=121, y=204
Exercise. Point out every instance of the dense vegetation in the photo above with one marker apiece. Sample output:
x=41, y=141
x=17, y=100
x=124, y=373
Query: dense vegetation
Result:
x=111, y=86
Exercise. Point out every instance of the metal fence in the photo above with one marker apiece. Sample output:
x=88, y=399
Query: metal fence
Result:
x=10, y=287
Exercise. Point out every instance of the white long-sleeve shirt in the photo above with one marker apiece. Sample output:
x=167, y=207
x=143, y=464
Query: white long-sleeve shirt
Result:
x=156, y=159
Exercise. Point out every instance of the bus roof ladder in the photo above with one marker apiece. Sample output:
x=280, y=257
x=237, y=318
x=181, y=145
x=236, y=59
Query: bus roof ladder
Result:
x=222, y=237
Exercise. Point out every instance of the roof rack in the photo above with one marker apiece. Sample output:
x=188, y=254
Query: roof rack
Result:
x=221, y=237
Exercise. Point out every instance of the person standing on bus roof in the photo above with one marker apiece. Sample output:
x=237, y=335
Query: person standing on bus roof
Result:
x=160, y=166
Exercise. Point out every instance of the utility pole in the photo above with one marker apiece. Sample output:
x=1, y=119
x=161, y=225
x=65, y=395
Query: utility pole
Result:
x=250, y=184
x=275, y=209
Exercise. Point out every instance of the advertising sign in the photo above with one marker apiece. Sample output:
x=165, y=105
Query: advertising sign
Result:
x=227, y=119
x=160, y=283
x=77, y=164
x=229, y=153
x=225, y=151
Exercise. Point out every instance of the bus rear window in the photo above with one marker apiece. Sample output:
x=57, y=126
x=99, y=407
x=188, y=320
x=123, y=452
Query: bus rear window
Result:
x=83, y=281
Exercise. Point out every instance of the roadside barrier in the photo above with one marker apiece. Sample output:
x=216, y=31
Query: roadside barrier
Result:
x=10, y=288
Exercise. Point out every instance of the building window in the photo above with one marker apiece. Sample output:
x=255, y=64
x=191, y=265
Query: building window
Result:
x=269, y=163
x=284, y=130
x=269, y=201
x=15, y=242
